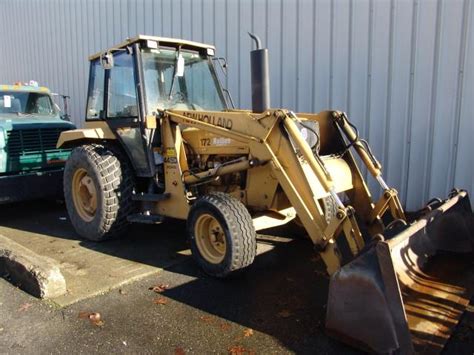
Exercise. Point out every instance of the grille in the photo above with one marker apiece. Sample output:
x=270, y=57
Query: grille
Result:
x=32, y=141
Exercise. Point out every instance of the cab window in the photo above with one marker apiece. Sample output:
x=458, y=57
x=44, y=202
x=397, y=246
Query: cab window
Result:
x=196, y=89
x=95, y=101
x=122, y=91
x=26, y=103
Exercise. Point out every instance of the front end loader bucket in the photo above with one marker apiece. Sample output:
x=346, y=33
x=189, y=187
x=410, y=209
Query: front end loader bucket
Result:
x=405, y=294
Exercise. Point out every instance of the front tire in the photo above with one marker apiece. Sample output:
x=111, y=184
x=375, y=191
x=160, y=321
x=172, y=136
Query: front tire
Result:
x=221, y=234
x=98, y=185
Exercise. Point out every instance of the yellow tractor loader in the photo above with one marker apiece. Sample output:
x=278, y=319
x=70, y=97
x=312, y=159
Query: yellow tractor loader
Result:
x=162, y=139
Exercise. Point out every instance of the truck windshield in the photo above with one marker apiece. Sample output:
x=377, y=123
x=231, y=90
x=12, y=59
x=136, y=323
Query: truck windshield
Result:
x=26, y=103
x=197, y=89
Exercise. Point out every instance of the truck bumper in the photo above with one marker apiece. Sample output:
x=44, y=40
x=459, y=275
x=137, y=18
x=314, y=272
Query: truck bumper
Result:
x=31, y=186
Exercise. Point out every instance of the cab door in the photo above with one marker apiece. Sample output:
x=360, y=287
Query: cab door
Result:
x=119, y=104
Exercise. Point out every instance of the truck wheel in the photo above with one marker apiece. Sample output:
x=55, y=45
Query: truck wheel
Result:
x=98, y=187
x=221, y=234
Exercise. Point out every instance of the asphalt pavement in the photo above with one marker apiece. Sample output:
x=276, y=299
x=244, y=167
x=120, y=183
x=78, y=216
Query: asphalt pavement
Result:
x=276, y=306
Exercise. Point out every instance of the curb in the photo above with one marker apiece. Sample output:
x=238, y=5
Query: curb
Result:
x=38, y=275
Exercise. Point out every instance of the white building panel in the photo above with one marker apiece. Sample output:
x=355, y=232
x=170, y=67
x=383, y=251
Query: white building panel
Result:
x=403, y=70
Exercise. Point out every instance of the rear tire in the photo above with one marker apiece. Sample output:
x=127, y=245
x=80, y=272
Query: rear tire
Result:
x=98, y=186
x=221, y=234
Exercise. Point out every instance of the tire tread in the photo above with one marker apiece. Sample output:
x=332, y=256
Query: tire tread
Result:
x=241, y=229
x=116, y=184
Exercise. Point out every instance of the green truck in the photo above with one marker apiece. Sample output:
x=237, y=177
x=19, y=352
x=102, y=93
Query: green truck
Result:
x=30, y=123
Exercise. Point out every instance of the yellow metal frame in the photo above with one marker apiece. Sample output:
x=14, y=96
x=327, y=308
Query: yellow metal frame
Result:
x=274, y=154
x=262, y=133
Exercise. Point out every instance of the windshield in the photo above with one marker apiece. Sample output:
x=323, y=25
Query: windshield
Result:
x=26, y=103
x=196, y=89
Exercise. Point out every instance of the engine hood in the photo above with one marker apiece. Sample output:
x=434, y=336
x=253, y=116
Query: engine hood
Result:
x=10, y=121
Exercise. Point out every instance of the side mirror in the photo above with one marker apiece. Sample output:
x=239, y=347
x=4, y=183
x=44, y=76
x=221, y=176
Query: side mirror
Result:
x=107, y=60
x=65, y=115
x=222, y=63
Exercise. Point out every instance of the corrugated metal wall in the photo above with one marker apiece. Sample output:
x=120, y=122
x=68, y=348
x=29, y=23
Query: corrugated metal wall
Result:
x=403, y=70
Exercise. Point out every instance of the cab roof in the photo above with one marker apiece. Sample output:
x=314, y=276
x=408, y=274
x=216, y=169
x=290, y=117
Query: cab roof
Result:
x=161, y=41
x=24, y=88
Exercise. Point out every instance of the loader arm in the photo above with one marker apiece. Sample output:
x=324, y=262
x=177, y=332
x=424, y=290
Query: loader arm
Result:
x=274, y=138
x=378, y=298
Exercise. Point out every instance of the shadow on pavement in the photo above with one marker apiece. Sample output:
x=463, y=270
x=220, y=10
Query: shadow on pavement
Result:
x=143, y=243
x=283, y=294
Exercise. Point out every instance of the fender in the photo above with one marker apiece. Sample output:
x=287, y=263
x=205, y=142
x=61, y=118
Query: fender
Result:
x=93, y=131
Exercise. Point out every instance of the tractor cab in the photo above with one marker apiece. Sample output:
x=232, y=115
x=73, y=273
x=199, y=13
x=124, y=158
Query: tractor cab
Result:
x=175, y=75
x=130, y=83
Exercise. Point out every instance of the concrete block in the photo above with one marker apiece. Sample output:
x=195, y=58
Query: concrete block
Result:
x=36, y=274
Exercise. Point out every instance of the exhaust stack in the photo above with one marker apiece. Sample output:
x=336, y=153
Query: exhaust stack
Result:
x=260, y=77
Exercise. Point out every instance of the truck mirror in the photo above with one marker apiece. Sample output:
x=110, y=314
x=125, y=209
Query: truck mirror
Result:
x=107, y=60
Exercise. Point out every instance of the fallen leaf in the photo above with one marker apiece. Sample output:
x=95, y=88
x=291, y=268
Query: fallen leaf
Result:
x=84, y=315
x=160, y=300
x=207, y=319
x=284, y=313
x=159, y=288
x=236, y=350
x=93, y=317
x=248, y=332
x=24, y=307
x=179, y=351
x=225, y=327
x=96, y=319
x=124, y=342
x=99, y=323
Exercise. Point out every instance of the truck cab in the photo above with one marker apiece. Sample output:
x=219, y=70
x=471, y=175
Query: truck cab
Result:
x=30, y=123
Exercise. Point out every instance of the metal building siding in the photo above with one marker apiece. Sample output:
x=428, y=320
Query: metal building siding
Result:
x=403, y=70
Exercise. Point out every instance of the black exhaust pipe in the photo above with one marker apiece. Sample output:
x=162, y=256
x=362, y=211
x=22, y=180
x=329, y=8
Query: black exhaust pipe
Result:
x=260, y=77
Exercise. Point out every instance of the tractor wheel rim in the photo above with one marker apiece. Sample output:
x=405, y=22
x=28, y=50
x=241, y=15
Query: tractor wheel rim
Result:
x=84, y=195
x=210, y=238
